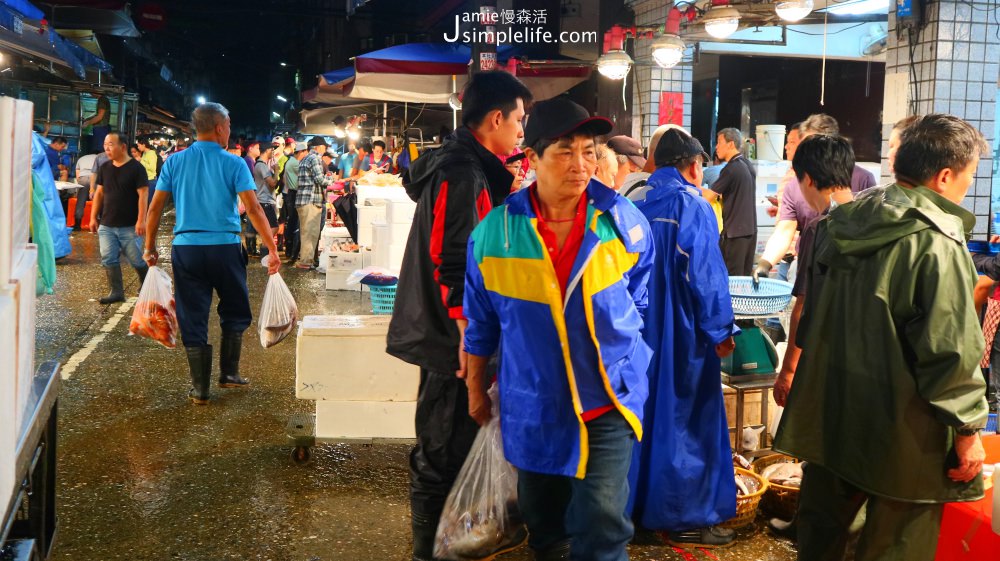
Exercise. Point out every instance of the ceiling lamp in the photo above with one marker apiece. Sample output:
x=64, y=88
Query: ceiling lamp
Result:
x=455, y=102
x=668, y=51
x=721, y=20
x=793, y=10
x=615, y=62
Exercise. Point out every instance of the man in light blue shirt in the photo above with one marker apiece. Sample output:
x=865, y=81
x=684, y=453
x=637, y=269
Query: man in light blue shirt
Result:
x=205, y=181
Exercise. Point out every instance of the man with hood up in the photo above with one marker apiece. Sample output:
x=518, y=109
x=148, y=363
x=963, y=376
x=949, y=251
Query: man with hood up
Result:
x=888, y=400
x=454, y=188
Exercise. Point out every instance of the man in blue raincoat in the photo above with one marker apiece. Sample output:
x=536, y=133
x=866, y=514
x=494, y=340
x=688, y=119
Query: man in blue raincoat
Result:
x=682, y=473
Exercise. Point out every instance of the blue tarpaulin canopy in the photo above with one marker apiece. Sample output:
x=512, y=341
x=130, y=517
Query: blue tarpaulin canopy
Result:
x=27, y=9
x=19, y=34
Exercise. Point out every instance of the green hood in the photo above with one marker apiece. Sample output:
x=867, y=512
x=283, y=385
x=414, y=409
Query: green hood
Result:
x=882, y=215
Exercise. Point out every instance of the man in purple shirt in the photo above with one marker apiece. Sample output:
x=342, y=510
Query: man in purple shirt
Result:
x=795, y=213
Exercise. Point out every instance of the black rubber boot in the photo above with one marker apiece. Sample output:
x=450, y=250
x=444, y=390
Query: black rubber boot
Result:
x=709, y=536
x=141, y=271
x=423, y=537
x=229, y=361
x=200, y=362
x=117, y=294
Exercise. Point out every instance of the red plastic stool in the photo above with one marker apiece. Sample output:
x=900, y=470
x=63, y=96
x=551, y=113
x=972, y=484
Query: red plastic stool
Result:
x=85, y=221
x=71, y=213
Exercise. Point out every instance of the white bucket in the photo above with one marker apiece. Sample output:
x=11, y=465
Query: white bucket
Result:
x=770, y=142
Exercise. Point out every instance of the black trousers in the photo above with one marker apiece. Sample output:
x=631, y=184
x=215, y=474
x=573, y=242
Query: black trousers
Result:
x=738, y=254
x=200, y=269
x=291, y=225
x=445, y=432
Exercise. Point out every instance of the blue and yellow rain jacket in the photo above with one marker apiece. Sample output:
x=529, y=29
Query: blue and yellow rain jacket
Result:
x=557, y=352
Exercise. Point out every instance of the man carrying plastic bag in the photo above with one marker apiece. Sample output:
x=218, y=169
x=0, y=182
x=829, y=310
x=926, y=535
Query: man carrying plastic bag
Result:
x=205, y=182
x=480, y=518
x=560, y=269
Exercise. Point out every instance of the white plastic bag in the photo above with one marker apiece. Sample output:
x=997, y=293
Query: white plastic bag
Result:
x=481, y=515
x=278, y=312
x=155, y=314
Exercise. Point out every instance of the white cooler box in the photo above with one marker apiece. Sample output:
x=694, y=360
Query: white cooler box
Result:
x=360, y=390
x=22, y=287
x=400, y=212
x=340, y=265
x=366, y=216
x=366, y=192
x=8, y=400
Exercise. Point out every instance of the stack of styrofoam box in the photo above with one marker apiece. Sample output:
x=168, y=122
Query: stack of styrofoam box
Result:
x=371, y=208
x=340, y=265
x=769, y=177
x=18, y=273
x=372, y=212
x=399, y=218
x=361, y=392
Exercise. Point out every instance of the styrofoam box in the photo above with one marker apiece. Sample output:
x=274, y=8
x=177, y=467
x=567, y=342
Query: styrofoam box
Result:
x=23, y=285
x=331, y=233
x=343, y=358
x=399, y=232
x=380, y=245
x=336, y=279
x=15, y=181
x=366, y=192
x=366, y=216
x=8, y=392
x=395, y=255
x=769, y=178
x=400, y=211
x=343, y=260
x=365, y=419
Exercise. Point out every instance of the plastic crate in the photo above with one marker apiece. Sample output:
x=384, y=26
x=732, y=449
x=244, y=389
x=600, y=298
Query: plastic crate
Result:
x=770, y=297
x=991, y=423
x=383, y=299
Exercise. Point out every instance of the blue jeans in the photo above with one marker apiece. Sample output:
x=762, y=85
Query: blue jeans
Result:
x=590, y=512
x=115, y=240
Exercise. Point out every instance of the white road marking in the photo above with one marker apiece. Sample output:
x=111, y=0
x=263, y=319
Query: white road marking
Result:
x=82, y=354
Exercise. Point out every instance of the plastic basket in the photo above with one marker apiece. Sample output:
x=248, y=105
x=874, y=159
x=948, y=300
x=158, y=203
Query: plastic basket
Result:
x=779, y=500
x=383, y=299
x=770, y=297
x=991, y=423
x=746, y=506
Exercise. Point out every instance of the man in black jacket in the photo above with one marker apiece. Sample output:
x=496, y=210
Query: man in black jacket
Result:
x=454, y=187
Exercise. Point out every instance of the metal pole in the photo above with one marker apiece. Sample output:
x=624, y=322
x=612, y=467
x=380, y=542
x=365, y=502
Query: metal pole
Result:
x=454, y=112
x=385, y=121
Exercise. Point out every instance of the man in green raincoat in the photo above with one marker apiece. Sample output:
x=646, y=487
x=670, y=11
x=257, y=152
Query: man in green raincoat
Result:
x=888, y=398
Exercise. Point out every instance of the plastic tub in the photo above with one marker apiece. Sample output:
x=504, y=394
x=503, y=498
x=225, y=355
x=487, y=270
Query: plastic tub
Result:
x=770, y=142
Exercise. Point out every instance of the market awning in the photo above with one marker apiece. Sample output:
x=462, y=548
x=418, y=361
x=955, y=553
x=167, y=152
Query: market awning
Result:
x=27, y=38
x=430, y=72
x=164, y=118
x=337, y=77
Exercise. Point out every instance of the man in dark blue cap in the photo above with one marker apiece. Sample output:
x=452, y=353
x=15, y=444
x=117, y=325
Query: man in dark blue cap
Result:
x=560, y=269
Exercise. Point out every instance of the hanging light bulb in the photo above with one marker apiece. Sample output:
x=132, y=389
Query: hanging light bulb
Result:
x=793, y=10
x=721, y=21
x=668, y=50
x=455, y=102
x=614, y=64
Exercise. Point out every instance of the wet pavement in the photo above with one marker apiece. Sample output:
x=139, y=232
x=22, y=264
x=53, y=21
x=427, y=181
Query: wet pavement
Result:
x=145, y=475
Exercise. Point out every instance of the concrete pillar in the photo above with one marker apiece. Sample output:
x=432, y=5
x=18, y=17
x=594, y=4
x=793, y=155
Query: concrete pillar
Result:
x=651, y=80
x=951, y=67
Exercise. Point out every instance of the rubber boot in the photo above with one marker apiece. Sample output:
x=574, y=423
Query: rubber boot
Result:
x=200, y=362
x=141, y=271
x=229, y=361
x=117, y=294
x=423, y=537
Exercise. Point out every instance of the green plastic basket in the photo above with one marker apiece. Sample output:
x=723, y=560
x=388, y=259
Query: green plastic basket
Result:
x=383, y=299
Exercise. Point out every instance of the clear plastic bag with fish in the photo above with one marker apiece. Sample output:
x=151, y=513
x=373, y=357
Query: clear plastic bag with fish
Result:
x=278, y=312
x=155, y=314
x=481, y=515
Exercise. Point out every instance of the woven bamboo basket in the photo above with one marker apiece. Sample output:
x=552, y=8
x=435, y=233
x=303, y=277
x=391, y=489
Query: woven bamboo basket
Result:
x=780, y=500
x=746, y=506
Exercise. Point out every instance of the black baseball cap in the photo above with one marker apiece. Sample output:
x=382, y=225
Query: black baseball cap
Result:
x=559, y=117
x=676, y=145
x=317, y=141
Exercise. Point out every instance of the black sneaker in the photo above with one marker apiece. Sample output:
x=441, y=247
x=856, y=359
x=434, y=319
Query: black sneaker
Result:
x=711, y=536
x=783, y=528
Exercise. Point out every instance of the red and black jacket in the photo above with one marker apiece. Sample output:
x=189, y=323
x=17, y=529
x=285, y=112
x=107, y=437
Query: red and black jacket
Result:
x=454, y=187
